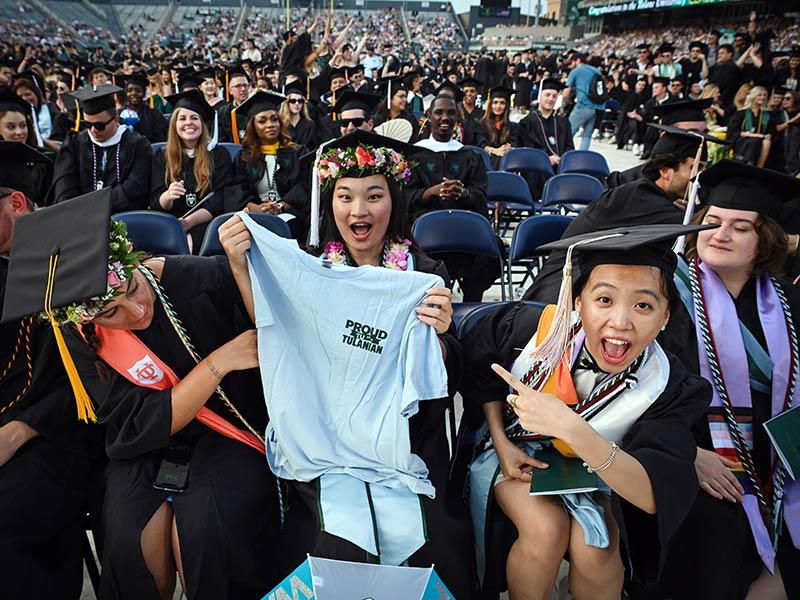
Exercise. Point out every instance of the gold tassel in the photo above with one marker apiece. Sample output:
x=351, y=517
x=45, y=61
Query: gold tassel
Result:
x=227, y=94
x=83, y=401
x=77, y=116
x=234, y=127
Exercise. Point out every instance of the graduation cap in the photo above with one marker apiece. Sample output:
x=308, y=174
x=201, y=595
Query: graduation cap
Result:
x=643, y=245
x=9, y=101
x=740, y=186
x=351, y=140
x=471, y=82
x=682, y=111
x=193, y=100
x=259, y=102
x=337, y=74
x=389, y=86
x=96, y=99
x=551, y=83
x=500, y=92
x=350, y=100
x=665, y=47
x=60, y=258
x=451, y=88
x=138, y=79
x=697, y=44
x=189, y=81
x=29, y=76
x=683, y=142
x=643, y=47
x=17, y=159
x=298, y=87
x=662, y=80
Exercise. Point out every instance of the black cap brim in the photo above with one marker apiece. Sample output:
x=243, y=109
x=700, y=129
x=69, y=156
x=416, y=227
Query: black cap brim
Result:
x=77, y=231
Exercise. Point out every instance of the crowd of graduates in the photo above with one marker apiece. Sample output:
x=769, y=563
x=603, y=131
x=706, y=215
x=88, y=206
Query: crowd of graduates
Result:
x=349, y=145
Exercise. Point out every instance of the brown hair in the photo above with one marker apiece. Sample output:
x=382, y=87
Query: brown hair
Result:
x=497, y=137
x=251, y=144
x=31, y=139
x=174, y=157
x=772, y=246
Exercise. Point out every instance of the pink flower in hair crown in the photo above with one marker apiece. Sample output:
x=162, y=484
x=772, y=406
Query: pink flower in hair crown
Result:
x=362, y=161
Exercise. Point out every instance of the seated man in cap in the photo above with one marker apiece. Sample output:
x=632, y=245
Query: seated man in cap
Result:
x=353, y=110
x=45, y=453
x=106, y=154
x=137, y=114
x=651, y=199
x=239, y=89
x=449, y=176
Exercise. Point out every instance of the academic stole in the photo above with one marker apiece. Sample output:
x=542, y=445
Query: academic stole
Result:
x=727, y=366
x=131, y=358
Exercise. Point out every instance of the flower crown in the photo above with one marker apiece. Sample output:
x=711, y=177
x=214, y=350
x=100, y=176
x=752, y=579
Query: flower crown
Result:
x=122, y=260
x=367, y=160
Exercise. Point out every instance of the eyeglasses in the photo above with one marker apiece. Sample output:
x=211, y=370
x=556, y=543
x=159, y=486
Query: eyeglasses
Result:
x=357, y=122
x=99, y=125
x=240, y=85
x=296, y=100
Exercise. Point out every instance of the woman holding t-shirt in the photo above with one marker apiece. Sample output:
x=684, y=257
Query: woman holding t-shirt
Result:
x=364, y=223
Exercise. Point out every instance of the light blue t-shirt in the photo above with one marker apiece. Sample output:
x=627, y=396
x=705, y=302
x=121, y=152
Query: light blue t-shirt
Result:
x=580, y=79
x=344, y=361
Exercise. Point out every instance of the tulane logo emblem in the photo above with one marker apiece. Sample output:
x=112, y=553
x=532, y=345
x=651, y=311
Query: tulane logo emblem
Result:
x=146, y=371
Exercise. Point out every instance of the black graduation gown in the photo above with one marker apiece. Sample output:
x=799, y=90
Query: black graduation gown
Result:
x=638, y=203
x=72, y=171
x=472, y=121
x=618, y=178
x=151, y=124
x=292, y=185
x=449, y=531
x=293, y=56
x=221, y=177
x=553, y=135
x=697, y=566
x=476, y=273
x=483, y=138
x=660, y=440
x=44, y=485
x=747, y=149
x=224, y=123
x=304, y=133
x=227, y=517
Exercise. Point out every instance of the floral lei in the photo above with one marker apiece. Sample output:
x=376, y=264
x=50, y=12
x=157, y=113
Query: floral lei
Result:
x=333, y=164
x=395, y=254
x=122, y=260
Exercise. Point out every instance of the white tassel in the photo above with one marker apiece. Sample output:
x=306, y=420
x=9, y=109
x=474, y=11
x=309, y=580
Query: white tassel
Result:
x=551, y=351
x=39, y=142
x=313, y=232
x=212, y=143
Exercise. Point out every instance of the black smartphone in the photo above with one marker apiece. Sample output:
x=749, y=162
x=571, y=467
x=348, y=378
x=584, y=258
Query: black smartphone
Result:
x=173, y=472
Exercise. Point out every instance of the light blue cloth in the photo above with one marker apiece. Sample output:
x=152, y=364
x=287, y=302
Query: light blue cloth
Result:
x=344, y=361
x=580, y=79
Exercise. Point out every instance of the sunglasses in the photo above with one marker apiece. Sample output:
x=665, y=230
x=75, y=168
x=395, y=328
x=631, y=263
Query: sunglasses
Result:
x=296, y=101
x=357, y=122
x=98, y=126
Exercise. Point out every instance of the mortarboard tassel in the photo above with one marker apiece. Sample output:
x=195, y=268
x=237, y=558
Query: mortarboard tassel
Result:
x=84, y=402
x=234, y=127
x=35, y=124
x=313, y=233
x=227, y=94
x=77, y=126
x=212, y=143
x=308, y=87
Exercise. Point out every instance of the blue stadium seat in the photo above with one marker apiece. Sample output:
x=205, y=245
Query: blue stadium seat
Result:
x=586, y=162
x=233, y=149
x=211, y=245
x=462, y=231
x=571, y=190
x=157, y=146
x=508, y=199
x=487, y=162
x=154, y=232
x=527, y=160
x=529, y=235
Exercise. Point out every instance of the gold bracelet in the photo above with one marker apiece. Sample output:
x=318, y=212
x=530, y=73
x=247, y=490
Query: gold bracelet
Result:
x=607, y=463
x=213, y=369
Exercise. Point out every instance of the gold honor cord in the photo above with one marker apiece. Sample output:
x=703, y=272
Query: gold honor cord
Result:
x=82, y=400
x=24, y=333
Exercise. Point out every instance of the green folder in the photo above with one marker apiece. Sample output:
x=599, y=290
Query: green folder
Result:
x=784, y=431
x=564, y=475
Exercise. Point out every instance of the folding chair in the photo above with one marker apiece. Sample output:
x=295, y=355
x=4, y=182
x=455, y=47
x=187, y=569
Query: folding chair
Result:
x=211, y=245
x=571, y=191
x=157, y=146
x=233, y=149
x=458, y=231
x=529, y=235
x=586, y=162
x=154, y=232
x=487, y=162
x=508, y=193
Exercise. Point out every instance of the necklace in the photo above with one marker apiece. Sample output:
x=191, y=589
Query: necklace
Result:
x=98, y=185
x=396, y=254
x=269, y=173
x=551, y=140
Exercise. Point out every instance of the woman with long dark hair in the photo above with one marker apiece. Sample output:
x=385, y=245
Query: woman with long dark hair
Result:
x=268, y=177
x=499, y=133
x=396, y=107
x=332, y=466
x=187, y=171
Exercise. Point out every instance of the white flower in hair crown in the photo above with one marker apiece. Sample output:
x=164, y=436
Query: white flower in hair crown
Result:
x=365, y=160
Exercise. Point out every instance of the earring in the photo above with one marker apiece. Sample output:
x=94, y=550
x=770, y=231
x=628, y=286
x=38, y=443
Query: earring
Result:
x=664, y=327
